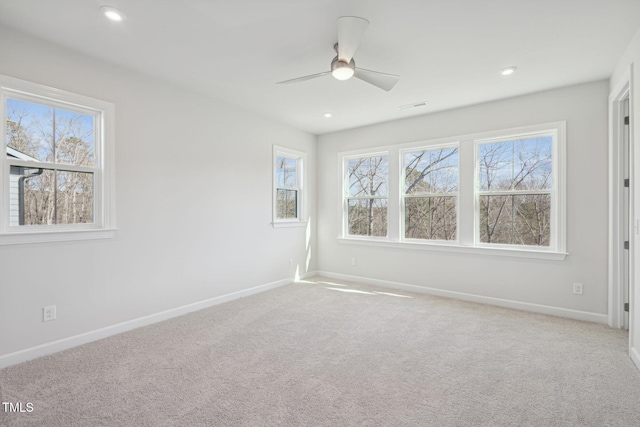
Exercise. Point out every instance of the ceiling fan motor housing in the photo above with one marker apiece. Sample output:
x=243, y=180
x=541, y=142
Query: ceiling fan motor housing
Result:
x=342, y=70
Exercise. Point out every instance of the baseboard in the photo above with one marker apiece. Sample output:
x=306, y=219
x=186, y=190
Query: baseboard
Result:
x=308, y=274
x=635, y=356
x=537, y=308
x=87, y=337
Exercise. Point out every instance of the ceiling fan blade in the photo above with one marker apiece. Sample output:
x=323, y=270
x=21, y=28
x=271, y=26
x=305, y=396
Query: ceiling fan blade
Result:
x=382, y=80
x=301, y=79
x=350, y=31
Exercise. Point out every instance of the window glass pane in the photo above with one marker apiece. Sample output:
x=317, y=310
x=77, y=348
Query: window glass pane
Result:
x=368, y=176
x=496, y=222
x=523, y=164
x=286, y=203
x=496, y=166
x=29, y=130
x=32, y=196
x=46, y=197
x=74, y=198
x=516, y=219
x=74, y=138
x=431, y=171
x=431, y=218
x=532, y=214
x=32, y=129
x=368, y=217
x=286, y=172
x=532, y=163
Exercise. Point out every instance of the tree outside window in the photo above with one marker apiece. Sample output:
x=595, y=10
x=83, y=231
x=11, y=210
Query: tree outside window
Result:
x=367, y=191
x=515, y=190
x=57, y=185
x=288, y=194
x=430, y=194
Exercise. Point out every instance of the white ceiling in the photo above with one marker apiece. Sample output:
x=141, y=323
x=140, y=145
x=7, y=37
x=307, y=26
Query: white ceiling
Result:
x=447, y=52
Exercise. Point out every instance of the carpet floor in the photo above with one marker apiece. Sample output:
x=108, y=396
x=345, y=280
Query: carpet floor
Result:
x=328, y=353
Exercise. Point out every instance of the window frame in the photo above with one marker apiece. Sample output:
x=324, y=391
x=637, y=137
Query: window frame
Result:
x=467, y=200
x=404, y=196
x=556, y=191
x=300, y=158
x=552, y=191
x=103, y=225
x=346, y=197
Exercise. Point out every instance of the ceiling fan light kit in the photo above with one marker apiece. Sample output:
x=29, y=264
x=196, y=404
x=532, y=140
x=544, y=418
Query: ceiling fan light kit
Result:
x=343, y=67
x=341, y=70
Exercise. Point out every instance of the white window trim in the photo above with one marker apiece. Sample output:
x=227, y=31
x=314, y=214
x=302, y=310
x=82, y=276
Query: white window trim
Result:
x=467, y=197
x=345, y=193
x=301, y=160
x=104, y=187
x=556, y=130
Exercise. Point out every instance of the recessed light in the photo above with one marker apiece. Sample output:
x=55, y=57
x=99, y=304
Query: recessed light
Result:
x=508, y=71
x=113, y=14
x=327, y=115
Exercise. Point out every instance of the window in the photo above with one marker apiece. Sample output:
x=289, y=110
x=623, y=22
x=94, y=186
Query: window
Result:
x=56, y=169
x=430, y=193
x=366, y=195
x=500, y=192
x=515, y=190
x=287, y=186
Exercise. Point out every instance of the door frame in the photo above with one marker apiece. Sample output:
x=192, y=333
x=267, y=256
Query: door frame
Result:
x=616, y=197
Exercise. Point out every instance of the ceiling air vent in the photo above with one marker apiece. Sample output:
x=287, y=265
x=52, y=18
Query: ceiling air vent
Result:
x=420, y=104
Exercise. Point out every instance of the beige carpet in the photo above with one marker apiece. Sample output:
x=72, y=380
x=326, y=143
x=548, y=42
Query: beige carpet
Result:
x=323, y=353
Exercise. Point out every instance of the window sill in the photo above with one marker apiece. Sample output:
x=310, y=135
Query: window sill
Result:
x=448, y=247
x=285, y=224
x=54, y=236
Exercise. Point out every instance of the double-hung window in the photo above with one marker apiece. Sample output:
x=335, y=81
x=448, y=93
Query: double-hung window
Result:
x=430, y=193
x=287, y=186
x=55, y=175
x=366, y=195
x=515, y=191
x=499, y=192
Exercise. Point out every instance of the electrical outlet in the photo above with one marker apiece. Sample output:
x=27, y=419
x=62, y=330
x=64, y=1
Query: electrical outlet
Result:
x=49, y=313
x=577, y=288
x=354, y=261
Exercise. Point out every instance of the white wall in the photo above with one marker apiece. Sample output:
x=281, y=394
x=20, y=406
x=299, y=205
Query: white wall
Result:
x=193, y=203
x=525, y=283
x=629, y=67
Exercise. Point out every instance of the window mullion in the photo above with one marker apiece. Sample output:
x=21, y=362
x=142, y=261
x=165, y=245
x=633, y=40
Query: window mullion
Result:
x=467, y=209
x=395, y=185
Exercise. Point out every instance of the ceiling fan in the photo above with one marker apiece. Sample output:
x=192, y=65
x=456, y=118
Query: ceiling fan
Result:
x=343, y=67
